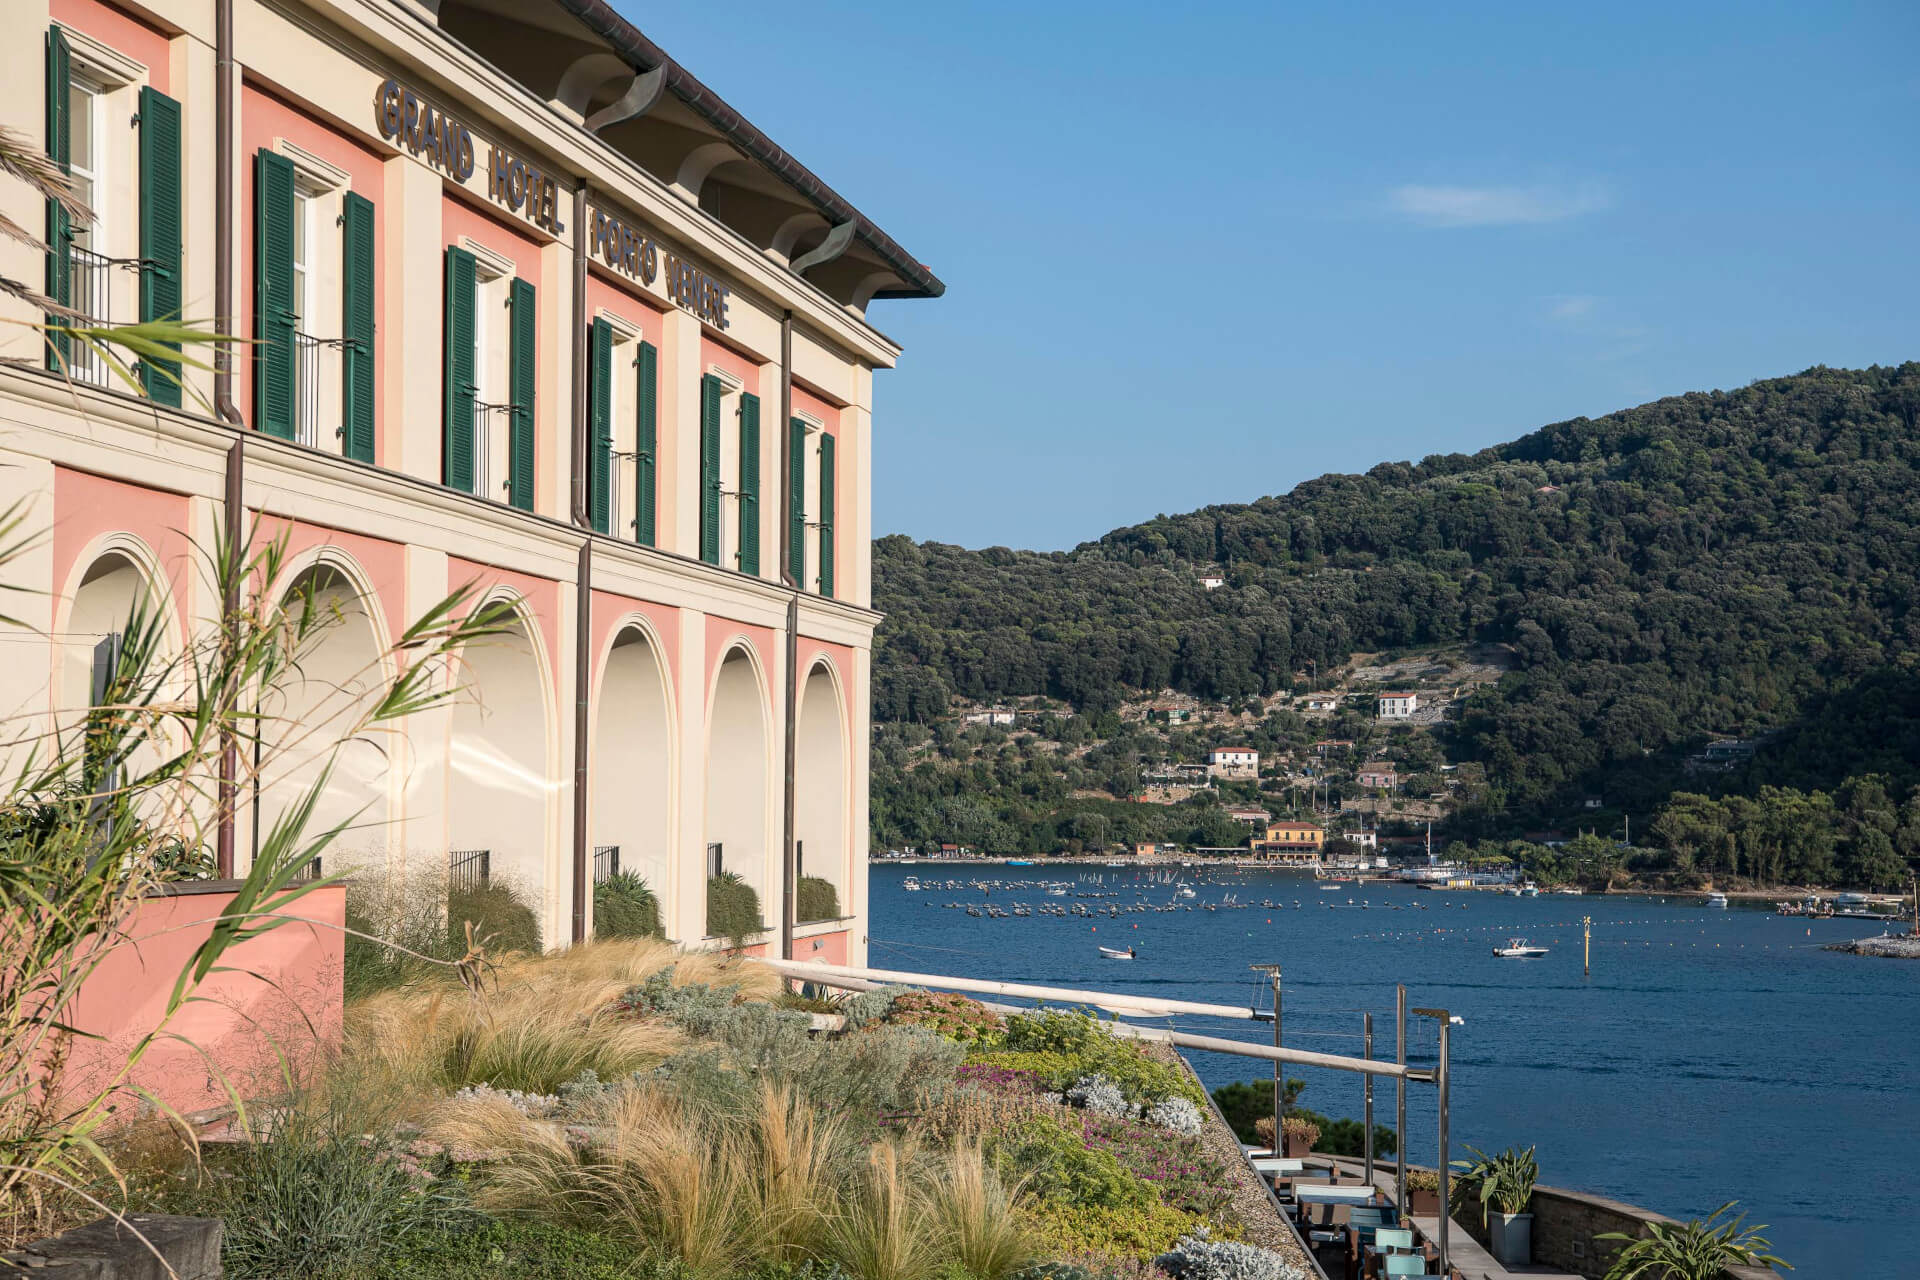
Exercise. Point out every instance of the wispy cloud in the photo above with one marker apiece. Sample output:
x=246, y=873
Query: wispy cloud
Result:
x=1497, y=206
x=1570, y=306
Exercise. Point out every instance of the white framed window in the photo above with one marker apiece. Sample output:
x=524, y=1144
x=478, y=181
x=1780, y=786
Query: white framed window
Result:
x=492, y=365
x=730, y=389
x=103, y=277
x=624, y=405
x=318, y=187
x=816, y=431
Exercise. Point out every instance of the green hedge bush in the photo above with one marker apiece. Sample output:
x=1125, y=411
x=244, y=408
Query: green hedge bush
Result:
x=733, y=908
x=624, y=907
x=816, y=899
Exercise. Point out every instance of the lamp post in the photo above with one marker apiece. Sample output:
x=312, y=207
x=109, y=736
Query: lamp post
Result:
x=1447, y=1023
x=1366, y=1051
x=1400, y=1103
x=1273, y=972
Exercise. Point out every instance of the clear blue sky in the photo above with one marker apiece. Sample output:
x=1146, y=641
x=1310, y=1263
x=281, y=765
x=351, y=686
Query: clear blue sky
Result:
x=1198, y=253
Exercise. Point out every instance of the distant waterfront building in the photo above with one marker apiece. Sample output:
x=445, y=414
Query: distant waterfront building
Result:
x=1233, y=762
x=1291, y=836
x=1398, y=706
x=1365, y=839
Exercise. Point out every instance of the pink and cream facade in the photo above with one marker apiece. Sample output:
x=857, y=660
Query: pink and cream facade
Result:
x=531, y=309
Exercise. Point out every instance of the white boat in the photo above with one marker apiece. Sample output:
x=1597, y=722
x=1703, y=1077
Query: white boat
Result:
x=1114, y=953
x=1518, y=949
x=911, y=884
x=1058, y=891
x=1718, y=900
x=1334, y=885
x=1186, y=891
x=1571, y=892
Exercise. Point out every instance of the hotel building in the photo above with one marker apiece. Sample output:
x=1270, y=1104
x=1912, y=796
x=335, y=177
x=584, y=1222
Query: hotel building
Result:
x=530, y=308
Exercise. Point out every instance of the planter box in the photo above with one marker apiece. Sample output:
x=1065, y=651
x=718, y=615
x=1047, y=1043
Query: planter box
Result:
x=1512, y=1238
x=1423, y=1204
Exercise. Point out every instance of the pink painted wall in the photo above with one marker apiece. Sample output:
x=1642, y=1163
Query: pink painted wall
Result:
x=282, y=997
x=609, y=293
x=542, y=596
x=122, y=33
x=722, y=632
x=86, y=506
x=609, y=609
x=717, y=353
x=841, y=658
x=825, y=948
x=264, y=120
x=383, y=563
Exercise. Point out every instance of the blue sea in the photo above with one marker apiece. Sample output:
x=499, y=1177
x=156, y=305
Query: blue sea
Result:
x=1713, y=1055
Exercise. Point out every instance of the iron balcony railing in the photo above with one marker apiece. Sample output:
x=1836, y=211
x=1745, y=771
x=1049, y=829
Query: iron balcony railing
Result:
x=468, y=869
x=485, y=418
x=606, y=862
x=316, y=362
x=90, y=292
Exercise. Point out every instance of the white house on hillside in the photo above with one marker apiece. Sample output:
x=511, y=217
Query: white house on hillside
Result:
x=1233, y=762
x=1398, y=706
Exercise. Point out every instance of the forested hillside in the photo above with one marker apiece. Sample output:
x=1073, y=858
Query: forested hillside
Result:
x=1723, y=562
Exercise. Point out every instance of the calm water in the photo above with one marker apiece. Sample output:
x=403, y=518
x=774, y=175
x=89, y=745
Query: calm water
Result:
x=1712, y=1056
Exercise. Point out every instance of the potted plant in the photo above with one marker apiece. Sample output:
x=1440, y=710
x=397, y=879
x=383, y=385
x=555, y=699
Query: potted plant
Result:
x=1423, y=1193
x=1506, y=1189
x=1263, y=1133
x=1299, y=1135
x=1695, y=1250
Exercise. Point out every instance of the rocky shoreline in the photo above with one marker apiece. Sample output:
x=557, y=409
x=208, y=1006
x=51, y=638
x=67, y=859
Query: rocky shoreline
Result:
x=1893, y=946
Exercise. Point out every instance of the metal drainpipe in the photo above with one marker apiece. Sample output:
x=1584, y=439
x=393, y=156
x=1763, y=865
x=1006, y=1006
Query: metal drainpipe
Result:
x=789, y=863
x=583, y=593
x=235, y=512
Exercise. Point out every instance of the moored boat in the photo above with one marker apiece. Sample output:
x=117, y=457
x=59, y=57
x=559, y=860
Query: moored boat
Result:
x=1518, y=949
x=1115, y=953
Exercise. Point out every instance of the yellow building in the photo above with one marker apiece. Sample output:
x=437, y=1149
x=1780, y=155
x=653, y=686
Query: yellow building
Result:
x=1292, y=841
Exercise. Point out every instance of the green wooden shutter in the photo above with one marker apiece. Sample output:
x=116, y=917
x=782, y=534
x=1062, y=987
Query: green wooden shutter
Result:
x=710, y=469
x=600, y=425
x=274, y=317
x=797, y=502
x=460, y=388
x=523, y=371
x=59, y=225
x=160, y=233
x=356, y=327
x=826, y=514
x=750, y=484
x=645, y=442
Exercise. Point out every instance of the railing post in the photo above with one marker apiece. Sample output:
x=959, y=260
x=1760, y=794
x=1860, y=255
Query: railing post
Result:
x=1400, y=1104
x=1366, y=1051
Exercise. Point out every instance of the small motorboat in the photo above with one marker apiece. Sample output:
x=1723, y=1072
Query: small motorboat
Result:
x=1116, y=953
x=1518, y=949
x=1330, y=887
x=1716, y=900
x=911, y=884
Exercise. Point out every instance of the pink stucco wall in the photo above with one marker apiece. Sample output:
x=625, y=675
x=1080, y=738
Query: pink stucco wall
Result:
x=383, y=563
x=264, y=120
x=541, y=594
x=610, y=608
x=281, y=998
x=610, y=294
x=86, y=506
x=718, y=353
x=121, y=32
x=723, y=632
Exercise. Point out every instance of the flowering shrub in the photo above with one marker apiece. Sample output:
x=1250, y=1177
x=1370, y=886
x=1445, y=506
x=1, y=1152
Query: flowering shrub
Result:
x=1178, y=1168
x=1141, y=1079
x=1002, y=1080
x=1176, y=1115
x=952, y=1015
x=1056, y=1165
x=1200, y=1257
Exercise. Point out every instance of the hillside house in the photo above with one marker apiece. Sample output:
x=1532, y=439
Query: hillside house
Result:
x=1250, y=816
x=1323, y=702
x=1398, y=705
x=1002, y=716
x=1213, y=581
x=1233, y=762
x=1379, y=773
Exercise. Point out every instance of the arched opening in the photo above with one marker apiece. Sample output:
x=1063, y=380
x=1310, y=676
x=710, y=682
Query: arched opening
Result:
x=103, y=603
x=101, y=624
x=820, y=796
x=736, y=837
x=498, y=780
x=632, y=768
x=309, y=721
